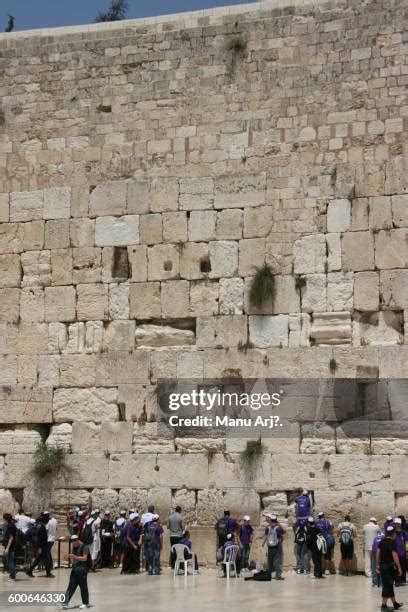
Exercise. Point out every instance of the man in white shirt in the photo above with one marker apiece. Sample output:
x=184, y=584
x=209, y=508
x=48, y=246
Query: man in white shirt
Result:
x=148, y=516
x=22, y=521
x=370, y=531
x=51, y=527
x=96, y=544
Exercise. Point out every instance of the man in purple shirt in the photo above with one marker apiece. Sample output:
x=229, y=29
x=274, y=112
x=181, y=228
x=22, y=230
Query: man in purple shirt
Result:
x=274, y=533
x=376, y=578
x=131, y=557
x=153, y=539
x=400, y=538
x=245, y=532
x=224, y=526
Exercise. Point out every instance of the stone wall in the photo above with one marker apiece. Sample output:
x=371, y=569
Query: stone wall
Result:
x=147, y=169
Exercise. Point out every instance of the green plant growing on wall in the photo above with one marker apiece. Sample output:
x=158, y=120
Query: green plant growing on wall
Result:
x=237, y=44
x=262, y=286
x=300, y=282
x=48, y=460
x=333, y=365
x=251, y=455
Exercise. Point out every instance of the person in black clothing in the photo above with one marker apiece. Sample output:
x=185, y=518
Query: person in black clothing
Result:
x=388, y=564
x=131, y=557
x=107, y=540
x=79, y=573
x=9, y=541
x=312, y=536
x=42, y=549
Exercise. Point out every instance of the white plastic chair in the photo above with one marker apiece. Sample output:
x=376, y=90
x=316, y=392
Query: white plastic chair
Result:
x=230, y=556
x=180, y=549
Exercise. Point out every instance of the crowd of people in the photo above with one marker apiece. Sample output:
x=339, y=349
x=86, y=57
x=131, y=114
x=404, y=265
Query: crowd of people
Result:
x=133, y=541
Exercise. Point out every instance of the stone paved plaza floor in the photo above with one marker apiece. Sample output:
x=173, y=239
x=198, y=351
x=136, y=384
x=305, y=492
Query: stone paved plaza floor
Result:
x=207, y=593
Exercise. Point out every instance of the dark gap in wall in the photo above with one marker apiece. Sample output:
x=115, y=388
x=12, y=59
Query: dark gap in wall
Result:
x=205, y=265
x=120, y=263
x=186, y=323
x=104, y=108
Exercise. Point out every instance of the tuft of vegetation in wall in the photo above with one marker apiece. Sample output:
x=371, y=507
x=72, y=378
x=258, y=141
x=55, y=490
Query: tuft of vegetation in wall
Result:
x=48, y=460
x=332, y=365
x=237, y=44
x=251, y=455
x=300, y=282
x=262, y=286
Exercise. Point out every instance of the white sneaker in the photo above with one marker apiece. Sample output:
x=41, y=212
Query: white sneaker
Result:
x=327, y=573
x=62, y=606
x=84, y=606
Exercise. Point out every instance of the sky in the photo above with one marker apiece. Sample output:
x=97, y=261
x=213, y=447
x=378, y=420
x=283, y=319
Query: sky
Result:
x=31, y=14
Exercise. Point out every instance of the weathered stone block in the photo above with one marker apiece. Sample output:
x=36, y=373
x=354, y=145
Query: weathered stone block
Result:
x=265, y=331
x=61, y=437
x=86, y=437
x=240, y=191
x=82, y=232
x=366, y=291
x=380, y=216
x=310, y=254
x=359, y=220
x=370, y=180
x=57, y=203
x=204, y=297
x=117, y=231
x=223, y=258
x=77, y=370
x=137, y=197
x=251, y=256
x=338, y=215
x=22, y=404
x=26, y=205
x=122, y=368
x=61, y=267
x=87, y=265
x=399, y=205
x=314, y=294
x=24, y=440
x=119, y=336
x=333, y=252
x=164, y=194
x=357, y=251
x=331, y=328
x=196, y=193
x=116, y=437
x=151, y=229
x=195, y=260
x=119, y=301
x=229, y=224
x=10, y=271
x=90, y=404
x=225, y=331
x=396, y=175
x=231, y=295
x=92, y=302
x=391, y=249
x=4, y=208
x=286, y=298
x=394, y=289
x=138, y=263
x=145, y=300
x=175, y=296
x=163, y=335
x=60, y=303
x=163, y=262
x=11, y=238
x=34, y=235
x=57, y=234
x=201, y=225
x=339, y=291
x=108, y=199
x=36, y=268
x=299, y=330
x=31, y=305
x=174, y=226
x=10, y=306
x=378, y=328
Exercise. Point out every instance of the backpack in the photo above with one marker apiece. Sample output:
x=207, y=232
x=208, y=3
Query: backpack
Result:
x=273, y=539
x=303, y=506
x=300, y=534
x=321, y=543
x=148, y=535
x=120, y=533
x=87, y=536
x=330, y=541
x=346, y=536
x=222, y=528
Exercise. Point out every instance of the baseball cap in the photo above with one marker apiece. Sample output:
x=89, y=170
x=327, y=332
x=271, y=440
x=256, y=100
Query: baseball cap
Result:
x=229, y=536
x=397, y=521
x=74, y=537
x=373, y=519
x=273, y=517
x=390, y=529
x=311, y=519
x=389, y=518
x=305, y=492
x=133, y=516
x=321, y=514
x=246, y=518
x=107, y=511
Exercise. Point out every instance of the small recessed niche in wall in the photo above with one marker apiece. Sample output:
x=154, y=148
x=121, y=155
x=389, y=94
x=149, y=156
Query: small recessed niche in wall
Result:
x=168, y=266
x=120, y=263
x=205, y=265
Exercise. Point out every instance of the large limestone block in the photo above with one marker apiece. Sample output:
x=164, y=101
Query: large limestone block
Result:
x=36, y=268
x=137, y=197
x=370, y=180
x=31, y=305
x=229, y=224
x=399, y=204
x=204, y=297
x=119, y=336
x=394, y=289
x=11, y=238
x=128, y=470
x=333, y=252
x=175, y=226
x=194, y=261
x=93, y=336
x=57, y=337
x=60, y=304
x=25, y=405
x=201, y=225
x=286, y=298
x=397, y=393
x=10, y=271
x=257, y=221
x=298, y=471
x=26, y=205
x=134, y=498
x=82, y=232
x=122, y=368
x=93, y=404
x=108, y=199
x=17, y=470
x=92, y=302
x=359, y=221
x=378, y=328
x=357, y=251
x=223, y=331
x=396, y=175
x=138, y=263
x=379, y=213
x=86, y=437
x=151, y=229
x=10, y=306
x=339, y=291
x=28, y=338
x=116, y=437
x=265, y=331
x=62, y=267
x=163, y=335
x=7, y=502
x=84, y=471
x=163, y=262
x=57, y=234
x=366, y=291
x=398, y=470
x=336, y=504
x=391, y=249
x=200, y=445
x=190, y=364
x=314, y=294
x=231, y=295
x=299, y=330
x=353, y=438
x=21, y=440
x=145, y=302
x=4, y=208
x=223, y=258
x=210, y=506
x=147, y=440
x=365, y=473
x=339, y=215
x=117, y=231
x=233, y=472
x=34, y=235
x=119, y=301
x=251, y=256
x=331, y=328
x=240, y=191
x=318, y=439
x=60, y=436
x=310, y=254
x=196, y=193
x=164, y=194
x=390, y=437
x=175, y=298
x=57, y=203
x=87, y=265
x=106, y=499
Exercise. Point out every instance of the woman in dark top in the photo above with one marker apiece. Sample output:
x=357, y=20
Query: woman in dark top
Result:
x=388, y=565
